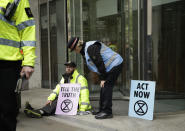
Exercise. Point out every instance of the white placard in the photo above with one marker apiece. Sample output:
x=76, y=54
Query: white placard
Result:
x=67, y=103
x=142, y=96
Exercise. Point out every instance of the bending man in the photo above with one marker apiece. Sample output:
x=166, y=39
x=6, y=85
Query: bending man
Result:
x=105, y=62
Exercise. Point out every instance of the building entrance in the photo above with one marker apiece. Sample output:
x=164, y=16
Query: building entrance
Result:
x=101, y=20
x=168, y=47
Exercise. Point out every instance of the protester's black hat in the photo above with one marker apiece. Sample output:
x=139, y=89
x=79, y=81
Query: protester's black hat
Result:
x=72, y=43
x=71, y=64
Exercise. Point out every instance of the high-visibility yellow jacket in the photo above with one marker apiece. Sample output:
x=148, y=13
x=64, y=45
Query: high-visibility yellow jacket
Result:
x=18, y=33
x=84, y=103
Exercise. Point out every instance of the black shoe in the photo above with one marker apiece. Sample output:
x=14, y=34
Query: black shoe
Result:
x=32, y=113
x=28, y=106
x=103, y=115
x=95, y=112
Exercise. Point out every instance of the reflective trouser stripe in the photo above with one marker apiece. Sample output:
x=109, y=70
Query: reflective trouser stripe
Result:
x=5, y=20
x=9, y=43
x=25, y=24
x=84, y=103
x=28, y=43
x=82, y=88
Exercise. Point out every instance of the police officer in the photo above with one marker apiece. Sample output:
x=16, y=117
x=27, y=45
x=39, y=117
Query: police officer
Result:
x=71, y=76
x=17, y=55
x=105, y=62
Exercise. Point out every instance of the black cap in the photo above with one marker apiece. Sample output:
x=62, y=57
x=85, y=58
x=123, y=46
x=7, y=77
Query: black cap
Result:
x=72, y=43
x=71, y=64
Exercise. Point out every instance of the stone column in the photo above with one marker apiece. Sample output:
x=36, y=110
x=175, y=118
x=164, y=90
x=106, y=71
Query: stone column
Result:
x=35, y=80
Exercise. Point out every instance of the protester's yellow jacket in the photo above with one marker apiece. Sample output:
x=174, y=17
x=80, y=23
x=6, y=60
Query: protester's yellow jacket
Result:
x=84, y=103
x=17, y=34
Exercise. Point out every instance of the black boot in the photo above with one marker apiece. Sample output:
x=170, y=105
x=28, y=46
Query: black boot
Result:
x=103, y=115
x=30, y=112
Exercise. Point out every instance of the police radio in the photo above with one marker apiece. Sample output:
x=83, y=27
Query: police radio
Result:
x=10, y=9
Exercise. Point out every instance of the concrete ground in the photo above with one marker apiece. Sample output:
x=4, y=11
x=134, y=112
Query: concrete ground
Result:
x=169, y=115
x=27, y=124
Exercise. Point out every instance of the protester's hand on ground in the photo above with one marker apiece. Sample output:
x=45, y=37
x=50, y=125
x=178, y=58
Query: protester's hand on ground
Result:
x=48, y=102
x=27, y=70
x=102, y=84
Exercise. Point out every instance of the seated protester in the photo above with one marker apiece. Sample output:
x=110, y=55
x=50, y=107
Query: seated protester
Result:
x=71, y=76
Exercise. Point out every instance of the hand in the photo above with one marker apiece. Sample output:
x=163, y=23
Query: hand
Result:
x=48, y=102
x=102, y=84
x=27, y=70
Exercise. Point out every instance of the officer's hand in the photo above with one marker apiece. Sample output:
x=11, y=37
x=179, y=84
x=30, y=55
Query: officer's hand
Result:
x=102, y=84
x=27, y=70
x=83, y=112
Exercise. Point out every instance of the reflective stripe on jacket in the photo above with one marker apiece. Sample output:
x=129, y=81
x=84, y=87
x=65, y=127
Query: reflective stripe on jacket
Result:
x=17, y=34
x=84, y=103
x=110, y=58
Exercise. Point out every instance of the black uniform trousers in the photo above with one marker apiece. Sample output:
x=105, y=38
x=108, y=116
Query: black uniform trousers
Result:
x=9, y=74
x=106, y=92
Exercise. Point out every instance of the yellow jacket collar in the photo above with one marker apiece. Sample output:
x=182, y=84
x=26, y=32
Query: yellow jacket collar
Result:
x=75, y=74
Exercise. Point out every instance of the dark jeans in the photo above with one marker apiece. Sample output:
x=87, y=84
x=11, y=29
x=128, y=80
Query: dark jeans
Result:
x=9, y=74
x=50, y=109
x=106, y=92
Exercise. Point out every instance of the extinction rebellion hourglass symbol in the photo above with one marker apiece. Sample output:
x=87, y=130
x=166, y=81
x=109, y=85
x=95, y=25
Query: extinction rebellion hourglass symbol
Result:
x=140, y=107
x=66, y=106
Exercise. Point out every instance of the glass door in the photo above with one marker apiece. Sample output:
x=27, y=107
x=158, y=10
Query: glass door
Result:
x=75, y=26
x=101, y=20
x=53, y=41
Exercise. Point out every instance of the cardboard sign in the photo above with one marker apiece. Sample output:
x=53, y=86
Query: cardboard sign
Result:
x=142, y=96
x=67, y=103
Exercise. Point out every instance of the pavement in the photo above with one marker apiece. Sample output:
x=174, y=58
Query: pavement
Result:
x=169, y=115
